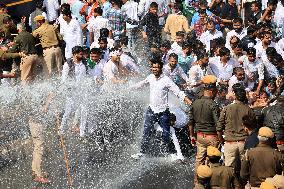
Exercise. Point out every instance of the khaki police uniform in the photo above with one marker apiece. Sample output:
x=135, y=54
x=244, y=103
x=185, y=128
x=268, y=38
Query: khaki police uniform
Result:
x=25, y=42
x=49, y=38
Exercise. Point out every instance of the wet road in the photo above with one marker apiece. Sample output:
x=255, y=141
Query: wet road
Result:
x=110, y=169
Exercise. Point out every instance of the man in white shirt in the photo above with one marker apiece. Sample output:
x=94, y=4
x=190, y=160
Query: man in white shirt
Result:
x=198, y=71
x=158, y=110
x=238, y=31
x=174, y=71
x=266, y=41
x=177, y=45
x=240, y=77
x=96, y=65
x=72, y=33
x=130, y=9
x=111, y=69
x=74, y=71
x=96, y=24
x=253, y=68
x=128, y=63
x=52, y=7
x=210, y=34
x=268, y=63
x=222, y=67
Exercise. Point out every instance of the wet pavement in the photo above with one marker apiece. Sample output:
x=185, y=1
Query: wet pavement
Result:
x=109, y=169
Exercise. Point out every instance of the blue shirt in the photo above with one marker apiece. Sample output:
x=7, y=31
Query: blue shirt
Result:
x=185, y=63
x=106, y=7
x=75, y=9
x=195, y=17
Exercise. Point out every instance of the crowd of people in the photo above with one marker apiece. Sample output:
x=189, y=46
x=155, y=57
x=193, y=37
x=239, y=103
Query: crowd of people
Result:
x=223, y=60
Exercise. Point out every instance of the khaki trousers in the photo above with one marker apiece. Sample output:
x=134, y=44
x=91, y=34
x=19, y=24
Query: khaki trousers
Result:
x=202, y=143
x=28, y=68
x=52, y=61
x=233, y=152
x=38, y=140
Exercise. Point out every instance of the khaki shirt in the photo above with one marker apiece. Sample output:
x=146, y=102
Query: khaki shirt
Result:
x=231, y=121
x=24, y=42
x=175, y=23
x=204, y=115
x=260, y=163
x=48, y=35
x=222, y=177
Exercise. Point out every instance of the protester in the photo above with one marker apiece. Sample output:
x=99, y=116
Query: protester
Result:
x=237, y=71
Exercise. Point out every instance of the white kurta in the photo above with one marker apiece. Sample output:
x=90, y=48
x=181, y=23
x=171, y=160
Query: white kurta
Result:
x=73, y=36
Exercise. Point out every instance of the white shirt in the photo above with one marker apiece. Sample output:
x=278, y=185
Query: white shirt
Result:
x=245, y=83
x=73, y=36
x=97, y=71
x=128, y=63
x=270, y=68
x=222, y=72
x=110, y=71
x=97, y=23
x=159, y=89
x=110, y=43
x=62, y=23
x=52, y=7
x=196, y=73
x=260, y=51
x=252, y=68
x=80, y=72
x=175, y=48
x=207, y=36
x=177, y=72
x=130, y=9
x=234, y=33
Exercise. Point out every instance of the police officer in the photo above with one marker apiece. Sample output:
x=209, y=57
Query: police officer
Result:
x=49, y=39
x=204, y=174
x=222, y=176
x=262, y=161
x=8, y=27
x=274, y=119
x=231, y=122
x=203, y=116
x=25, y=42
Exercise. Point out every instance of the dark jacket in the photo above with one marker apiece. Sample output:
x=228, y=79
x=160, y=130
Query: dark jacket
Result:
x=274, y=119
x=151, y=21
x=231, y=121
x=260, y=163
x=204, y=115
x=222, y=177
x=251, y=140
x=24, y=42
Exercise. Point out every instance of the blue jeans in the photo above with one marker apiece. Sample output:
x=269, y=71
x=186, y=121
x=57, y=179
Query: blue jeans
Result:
x=150, y=119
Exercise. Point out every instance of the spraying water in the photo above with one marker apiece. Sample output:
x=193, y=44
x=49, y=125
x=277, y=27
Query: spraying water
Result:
x=100, y=160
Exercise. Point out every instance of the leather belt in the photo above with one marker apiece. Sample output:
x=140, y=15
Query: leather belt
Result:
x=279, y=142
x=240, y=141
x=205, y=134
